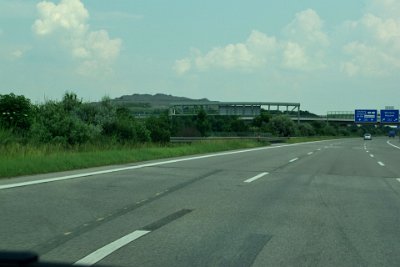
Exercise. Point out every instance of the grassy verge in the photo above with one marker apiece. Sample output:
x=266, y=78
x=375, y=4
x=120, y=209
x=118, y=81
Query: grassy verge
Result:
x=17, y=160
x=294, y=140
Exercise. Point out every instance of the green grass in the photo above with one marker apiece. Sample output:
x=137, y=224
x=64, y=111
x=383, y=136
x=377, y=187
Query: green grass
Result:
x=294, y=140
x=17, y=160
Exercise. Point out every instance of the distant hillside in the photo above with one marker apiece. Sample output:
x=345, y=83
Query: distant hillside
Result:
x=145, y=104
x=157, y=101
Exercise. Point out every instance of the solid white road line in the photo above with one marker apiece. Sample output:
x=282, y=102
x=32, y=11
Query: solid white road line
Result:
x=42, y=181
x=103, y=252
x=256, y=177
x=293, y=160
x=381, y=163
x=310, y=153
x=388, y=142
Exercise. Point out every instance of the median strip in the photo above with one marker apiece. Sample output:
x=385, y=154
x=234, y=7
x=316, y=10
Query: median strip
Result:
x=256, y=177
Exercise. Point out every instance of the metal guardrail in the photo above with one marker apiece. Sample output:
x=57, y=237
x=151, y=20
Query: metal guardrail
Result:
x=258, y=138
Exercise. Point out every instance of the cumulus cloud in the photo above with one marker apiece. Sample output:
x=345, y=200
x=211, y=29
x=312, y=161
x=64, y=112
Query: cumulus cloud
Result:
x=18, y=53
x=228, y=57
x=300, y=50
x=377, y=50
x=68, y=20
x=307, y=42
x=294, y=56
x=247, y=55
x=307, y=28
x=182, y=66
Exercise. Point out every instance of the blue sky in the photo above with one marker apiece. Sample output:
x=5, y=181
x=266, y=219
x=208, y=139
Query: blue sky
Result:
x=327, y=55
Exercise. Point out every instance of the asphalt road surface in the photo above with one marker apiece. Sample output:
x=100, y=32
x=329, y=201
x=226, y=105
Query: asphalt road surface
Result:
x=331, y=203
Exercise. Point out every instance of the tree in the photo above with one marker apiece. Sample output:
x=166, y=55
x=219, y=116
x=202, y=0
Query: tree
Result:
x=159, y=128
x=70, y=101
x=306, y=129
x=239, y=126
x=329, y=130
x=319, y=127
x=202, y=124
x=282, y=125
x=16, y=113
x=124, y=128
x=261, y=119
x=54, y=123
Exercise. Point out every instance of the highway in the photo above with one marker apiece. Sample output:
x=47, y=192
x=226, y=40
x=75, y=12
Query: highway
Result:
x=330, y=203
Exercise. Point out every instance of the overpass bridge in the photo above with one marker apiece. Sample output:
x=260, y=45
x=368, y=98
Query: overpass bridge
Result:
x=331, y=116
x=245, y=110
x=249, y=110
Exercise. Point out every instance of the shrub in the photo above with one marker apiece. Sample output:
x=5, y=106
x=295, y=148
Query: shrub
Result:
x=124, y=128
x=159, y=128
x=282, y=125
x=59, y=122
x=16, y=113
x=306, y=129
x=202, y=123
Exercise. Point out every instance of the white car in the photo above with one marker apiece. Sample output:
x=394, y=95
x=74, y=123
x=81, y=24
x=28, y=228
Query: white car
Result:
x=367, y=136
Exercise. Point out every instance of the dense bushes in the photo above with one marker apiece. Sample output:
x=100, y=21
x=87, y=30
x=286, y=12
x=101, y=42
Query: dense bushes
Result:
x=71, y=122
x=16, y=113
x=282, y=126
x=59, y=122
x=159, y=128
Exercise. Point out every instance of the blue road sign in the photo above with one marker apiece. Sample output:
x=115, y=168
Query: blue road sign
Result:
x=389, y=116
x=365, y=115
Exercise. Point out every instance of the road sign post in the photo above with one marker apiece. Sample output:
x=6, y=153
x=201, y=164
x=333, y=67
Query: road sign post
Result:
x=389, y=116
x=365, y=116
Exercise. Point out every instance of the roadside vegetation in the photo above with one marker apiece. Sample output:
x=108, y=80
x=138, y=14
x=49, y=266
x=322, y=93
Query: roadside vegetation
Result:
x=70, y=134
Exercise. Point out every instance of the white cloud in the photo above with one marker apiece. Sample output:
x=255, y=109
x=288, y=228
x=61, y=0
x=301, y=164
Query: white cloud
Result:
x=294, y=57
x=70, y=15
x=18, y=53
x=251, y=54
x=13, y=52
x=377, y=49
x=245, y=56
x=384, y=8
x=302, y=50
x=307, y=42
x=182, y=66
x=307, y=28
x=228, y=57
x=94, y=49
x=368, y=60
